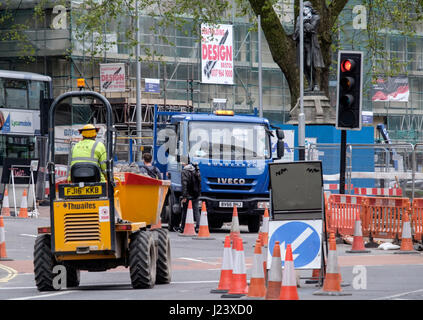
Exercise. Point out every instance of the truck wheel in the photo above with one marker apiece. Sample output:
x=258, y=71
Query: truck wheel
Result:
x=142, y=260
x=163, y=265
x=254, y=224
x=44, y=263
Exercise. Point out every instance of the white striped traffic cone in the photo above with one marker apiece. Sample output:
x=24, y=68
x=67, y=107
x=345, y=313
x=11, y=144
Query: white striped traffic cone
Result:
x=203, y=230
x=289, y=281
x=406, y=239
x=239, y=286
x=189, y=229
x=23, y=211
x=257, y=287
x=3, y=255
x=226, y=270
x=332, y=281
x=358, y=243
x=274, y=282
x=5, y=209
x=235, y=231
x=265, y=226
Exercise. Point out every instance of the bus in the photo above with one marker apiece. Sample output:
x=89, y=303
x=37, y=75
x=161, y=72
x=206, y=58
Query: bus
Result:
x=22, y=96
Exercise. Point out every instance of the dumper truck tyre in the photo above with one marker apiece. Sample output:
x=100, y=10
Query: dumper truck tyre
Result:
x=163, y=265
x=44, y=263
x=142, y=260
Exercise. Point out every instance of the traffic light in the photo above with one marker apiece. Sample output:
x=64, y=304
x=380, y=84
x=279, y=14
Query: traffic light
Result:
x=350, y=83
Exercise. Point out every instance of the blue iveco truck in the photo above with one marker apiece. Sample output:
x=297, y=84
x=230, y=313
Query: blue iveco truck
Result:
x=232, y=153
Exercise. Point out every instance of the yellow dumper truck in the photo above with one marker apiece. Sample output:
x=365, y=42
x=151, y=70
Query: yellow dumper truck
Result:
x=96, y=226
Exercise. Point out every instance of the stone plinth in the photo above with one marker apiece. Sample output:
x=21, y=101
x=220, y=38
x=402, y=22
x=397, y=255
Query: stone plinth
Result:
x=317, y=109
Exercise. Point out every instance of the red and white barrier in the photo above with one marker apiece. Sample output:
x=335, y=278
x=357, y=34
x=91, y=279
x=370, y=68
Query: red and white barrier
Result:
x=378, y=191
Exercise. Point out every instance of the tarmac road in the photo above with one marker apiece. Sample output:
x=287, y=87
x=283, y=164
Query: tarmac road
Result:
x=196, y=270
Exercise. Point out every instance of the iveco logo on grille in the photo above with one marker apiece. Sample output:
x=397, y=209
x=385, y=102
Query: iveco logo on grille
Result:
x=231, y=180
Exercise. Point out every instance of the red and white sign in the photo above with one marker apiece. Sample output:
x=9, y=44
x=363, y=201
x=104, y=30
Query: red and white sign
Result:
x=103, y=213
x=112, y=77
x=217, y=64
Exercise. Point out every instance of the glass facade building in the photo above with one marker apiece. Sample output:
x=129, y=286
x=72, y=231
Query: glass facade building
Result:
x=60, y=55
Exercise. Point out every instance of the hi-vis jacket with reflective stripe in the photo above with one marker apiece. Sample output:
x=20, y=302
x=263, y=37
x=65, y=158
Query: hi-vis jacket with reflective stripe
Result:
x=88, y=150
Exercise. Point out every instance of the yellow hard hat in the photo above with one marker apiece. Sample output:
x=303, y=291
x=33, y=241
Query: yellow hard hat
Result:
x=89, y=131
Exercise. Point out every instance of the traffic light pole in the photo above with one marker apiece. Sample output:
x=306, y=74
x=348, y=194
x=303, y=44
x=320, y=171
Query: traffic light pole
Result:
x=301, y=116
x=343, y=161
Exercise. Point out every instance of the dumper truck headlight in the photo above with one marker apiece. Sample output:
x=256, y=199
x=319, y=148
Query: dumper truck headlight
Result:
x=262, y=204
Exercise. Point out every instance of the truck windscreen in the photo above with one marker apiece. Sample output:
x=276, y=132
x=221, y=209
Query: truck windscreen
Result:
x=228, y=140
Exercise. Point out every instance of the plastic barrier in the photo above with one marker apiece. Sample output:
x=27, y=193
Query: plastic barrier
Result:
x=382, y=217
x=417, y=218
x=342, y=211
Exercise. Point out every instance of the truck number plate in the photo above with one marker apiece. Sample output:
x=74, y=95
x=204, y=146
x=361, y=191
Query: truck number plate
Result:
x=229, y=204
x=84, y=191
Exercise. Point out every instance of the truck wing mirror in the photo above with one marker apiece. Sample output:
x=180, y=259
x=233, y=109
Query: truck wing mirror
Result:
x=280, y=134
x=280, y=148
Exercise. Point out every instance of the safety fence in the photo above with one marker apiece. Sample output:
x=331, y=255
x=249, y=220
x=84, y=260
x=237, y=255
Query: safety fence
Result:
x=381, y=217
x=372, y=169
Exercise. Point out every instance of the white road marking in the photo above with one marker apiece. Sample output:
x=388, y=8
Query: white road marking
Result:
x=398, y=295
x=28, y=235
x=42, y=296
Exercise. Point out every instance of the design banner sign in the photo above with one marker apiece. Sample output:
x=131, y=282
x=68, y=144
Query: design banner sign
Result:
x=391, y=89
x=217, y=54
x=112, y=77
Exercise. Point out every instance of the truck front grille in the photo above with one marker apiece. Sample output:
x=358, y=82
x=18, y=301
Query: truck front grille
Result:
x=82, y=227
x=214, y=184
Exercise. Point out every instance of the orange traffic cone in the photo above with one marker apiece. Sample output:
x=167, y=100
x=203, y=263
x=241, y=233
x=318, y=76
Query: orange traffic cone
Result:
x=358, y=244
x=3, y=255
x=5, y=209
x=406, y=240
x=23, y=211
x=203, y=230
x=274, y=282
x=289, y=281
x=332, y=281
x=264, y=255
x=235, y=224
x=265, y=226
x=189, y=229
x=257, y=287
x=239, y=286
x=226, y=270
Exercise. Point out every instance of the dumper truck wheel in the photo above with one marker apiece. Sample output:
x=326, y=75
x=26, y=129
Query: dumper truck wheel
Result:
x=44, y=263
x=142, y=260
x=163, y=265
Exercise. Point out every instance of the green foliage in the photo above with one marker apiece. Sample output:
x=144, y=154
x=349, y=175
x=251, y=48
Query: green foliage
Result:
x=182, y=15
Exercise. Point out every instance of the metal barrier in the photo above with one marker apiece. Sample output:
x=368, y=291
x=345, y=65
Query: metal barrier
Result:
x=383, y=217
x=372, y=169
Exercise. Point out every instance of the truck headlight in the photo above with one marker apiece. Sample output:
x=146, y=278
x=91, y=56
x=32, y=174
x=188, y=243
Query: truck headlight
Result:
x=262, y=204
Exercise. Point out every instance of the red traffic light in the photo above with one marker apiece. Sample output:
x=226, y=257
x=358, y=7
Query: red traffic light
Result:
x=347, y=65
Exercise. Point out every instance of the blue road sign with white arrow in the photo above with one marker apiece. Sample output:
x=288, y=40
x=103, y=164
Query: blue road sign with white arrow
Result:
x=304, y=237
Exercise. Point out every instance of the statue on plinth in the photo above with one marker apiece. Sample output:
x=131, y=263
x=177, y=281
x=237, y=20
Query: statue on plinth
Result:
x=313, y=58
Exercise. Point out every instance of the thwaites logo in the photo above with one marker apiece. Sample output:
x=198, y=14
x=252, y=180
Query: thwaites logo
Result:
x=231, y=180
x=79, y=206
